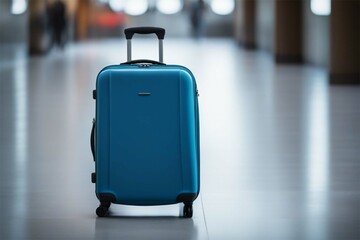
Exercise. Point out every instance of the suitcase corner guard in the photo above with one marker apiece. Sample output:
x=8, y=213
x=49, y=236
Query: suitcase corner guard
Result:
x=106, y=197
x=186, y=197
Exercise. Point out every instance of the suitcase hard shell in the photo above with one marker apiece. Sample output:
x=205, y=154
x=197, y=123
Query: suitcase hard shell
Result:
x=146, y=137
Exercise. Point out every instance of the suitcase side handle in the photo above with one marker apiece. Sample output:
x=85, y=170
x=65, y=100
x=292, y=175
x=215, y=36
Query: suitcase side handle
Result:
x=160, y=33
x=129, y=32
x=92, y=140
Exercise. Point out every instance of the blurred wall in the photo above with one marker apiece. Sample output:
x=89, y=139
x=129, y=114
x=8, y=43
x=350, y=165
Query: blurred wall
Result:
x=265, y=24
x=315, y=37
x=9, y=22
x=13, y=33
x=245, y=20
x=176, y=25
x=292, y=33
x=219, y=26
x=239, y=23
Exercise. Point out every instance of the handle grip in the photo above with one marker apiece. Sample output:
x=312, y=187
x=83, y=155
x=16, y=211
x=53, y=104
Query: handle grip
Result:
x=129, y=32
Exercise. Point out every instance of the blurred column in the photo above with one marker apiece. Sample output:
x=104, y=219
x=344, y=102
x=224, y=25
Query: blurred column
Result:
x=82, y=19
x=39, y=37
x=245, y=23
x=288, y=31
x=345, y=42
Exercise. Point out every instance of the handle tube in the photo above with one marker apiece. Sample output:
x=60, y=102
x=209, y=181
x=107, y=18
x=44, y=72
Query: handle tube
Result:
x=161, y=51
x=128, y=50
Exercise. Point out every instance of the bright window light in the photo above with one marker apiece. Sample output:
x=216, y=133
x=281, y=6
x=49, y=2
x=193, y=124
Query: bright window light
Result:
x=18, y=7
x=136, y=7
x=222, y=7
x=321, y=7
x=117, y=5
x=169, y=6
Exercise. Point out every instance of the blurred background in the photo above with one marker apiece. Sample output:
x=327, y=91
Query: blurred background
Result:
x=94, y=19
x=324, y=33
x=279, y=84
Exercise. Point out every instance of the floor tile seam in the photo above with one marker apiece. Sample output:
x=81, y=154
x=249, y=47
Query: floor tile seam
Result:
x=206, y=227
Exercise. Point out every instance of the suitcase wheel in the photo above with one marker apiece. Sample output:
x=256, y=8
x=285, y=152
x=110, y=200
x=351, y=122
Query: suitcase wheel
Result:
x=187, y=211
x=103, y=209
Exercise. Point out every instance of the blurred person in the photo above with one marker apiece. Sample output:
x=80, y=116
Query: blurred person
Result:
x=197, y=12
x=58, y=23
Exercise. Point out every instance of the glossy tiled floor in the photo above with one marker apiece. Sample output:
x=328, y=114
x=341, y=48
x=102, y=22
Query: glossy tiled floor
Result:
x=280, y=149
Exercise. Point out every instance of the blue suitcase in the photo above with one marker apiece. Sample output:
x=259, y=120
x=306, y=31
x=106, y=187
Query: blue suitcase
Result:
x=145, y=137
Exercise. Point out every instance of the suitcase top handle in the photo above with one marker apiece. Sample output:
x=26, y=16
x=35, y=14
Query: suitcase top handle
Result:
x=160, y=33
x=129, y=32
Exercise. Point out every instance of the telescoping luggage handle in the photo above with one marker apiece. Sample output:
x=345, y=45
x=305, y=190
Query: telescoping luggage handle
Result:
x=160, y=33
